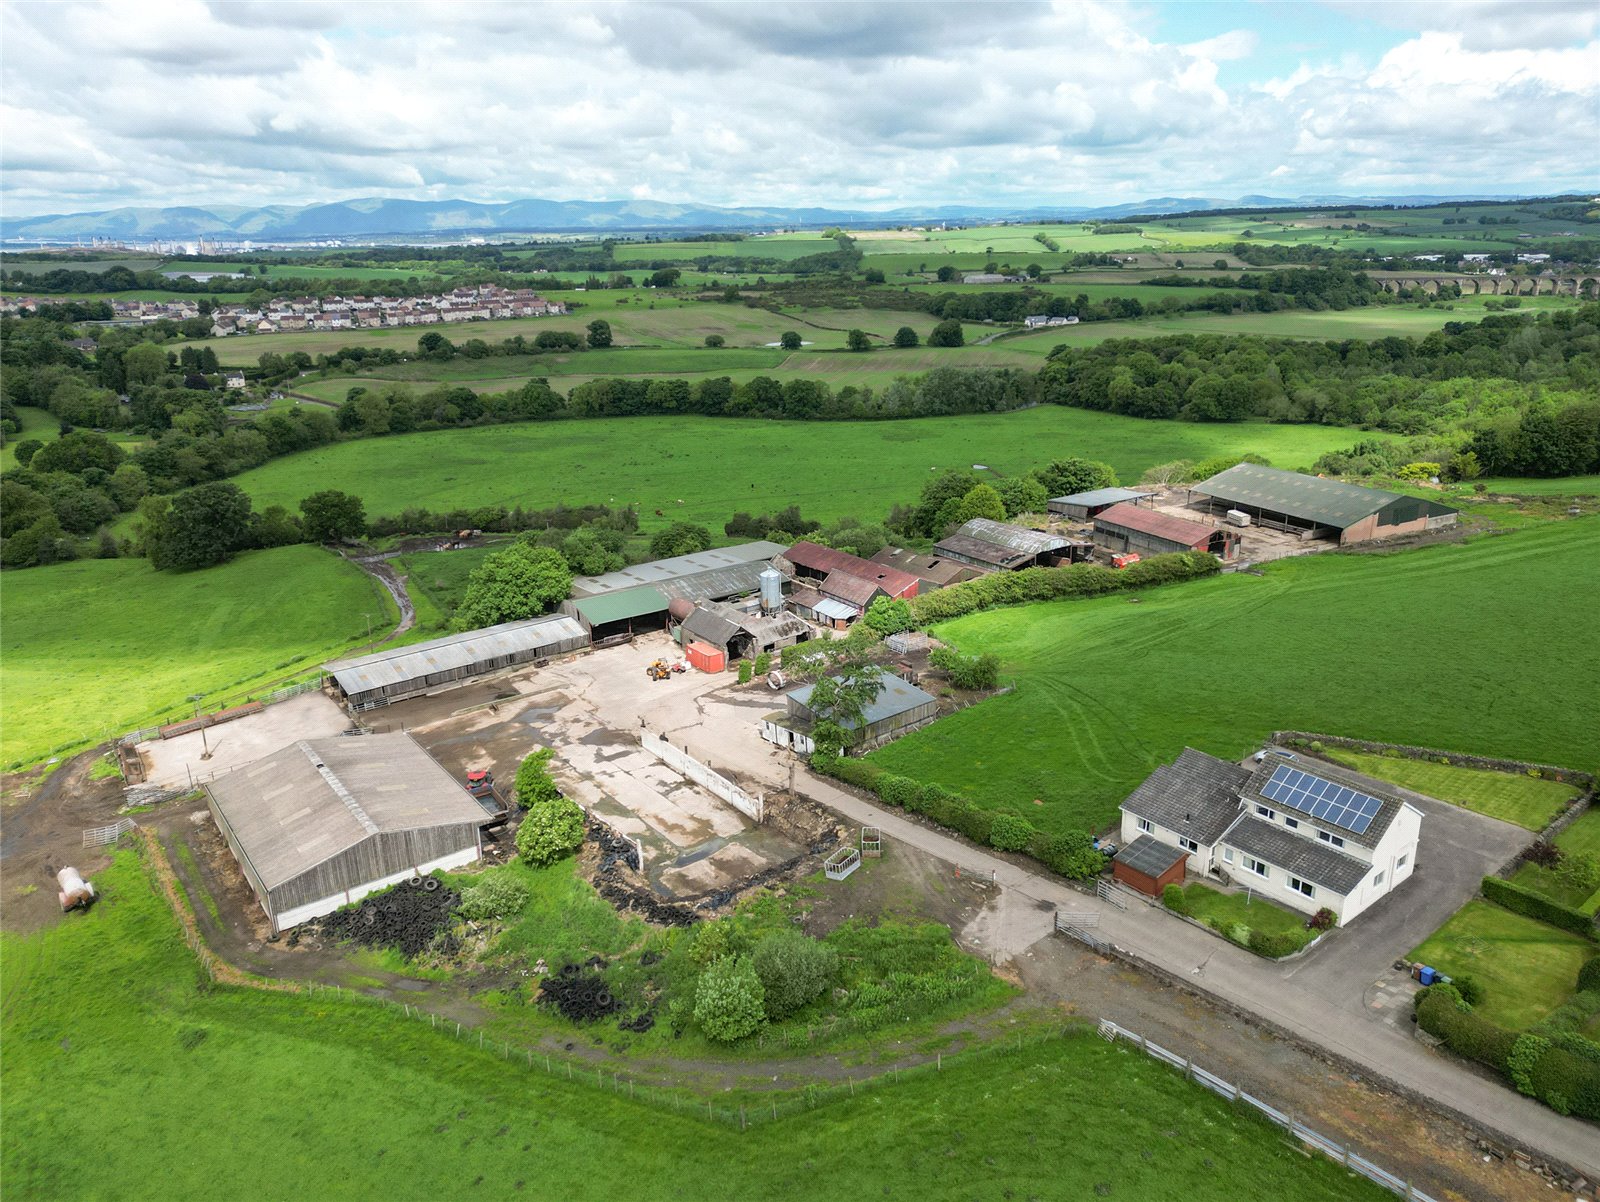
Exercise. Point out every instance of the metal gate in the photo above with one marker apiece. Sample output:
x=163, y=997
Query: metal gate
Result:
x=100, y=836
x=1107, y=892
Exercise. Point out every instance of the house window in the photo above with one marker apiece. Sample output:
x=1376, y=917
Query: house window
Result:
x=1227, y=854
x=1333, y=839
x=1255, y=866
x=1268, y=813
x=1377, y=880
x=1144, y=825
x=1188, y=844
x=1292, y=823
x=1400, y=863
x=1302, y=887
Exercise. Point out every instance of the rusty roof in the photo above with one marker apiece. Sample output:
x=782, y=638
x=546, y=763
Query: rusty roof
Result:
x=825, y=559
x=1161, y=525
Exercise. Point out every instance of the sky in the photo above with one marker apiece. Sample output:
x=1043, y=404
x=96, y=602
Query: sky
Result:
x=849, y=104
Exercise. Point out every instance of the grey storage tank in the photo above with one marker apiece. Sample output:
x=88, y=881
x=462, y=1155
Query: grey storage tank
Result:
x=771, y=591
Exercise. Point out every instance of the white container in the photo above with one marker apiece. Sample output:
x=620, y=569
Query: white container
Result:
x=1237, y=517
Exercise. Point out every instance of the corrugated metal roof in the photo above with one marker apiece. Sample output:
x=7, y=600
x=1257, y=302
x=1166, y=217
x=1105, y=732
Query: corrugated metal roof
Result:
x=717, y=583
x=895, y=696
x=981, y=550
x=711, y=627
x=847, y=586
x=384, y=669
x=1161, y=525
x=620, y=605
x=1149, y=856
x=665, y=571
x=1017, y=538
x=805, y=598
x=1100, y=496
x=938, y=572
x=1309, y=498
x=290, y=815
x=837, y=611
x=825, y=559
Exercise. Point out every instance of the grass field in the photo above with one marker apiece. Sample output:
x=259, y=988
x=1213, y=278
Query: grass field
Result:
x=1511, y=797
x=437, y=580
x=1565, y=486
x=103, y=1020
x=719, y=466
x=1445, y=647
x=36, y=424
x=100, y=646
x=1583, y=835
x=1527, y=968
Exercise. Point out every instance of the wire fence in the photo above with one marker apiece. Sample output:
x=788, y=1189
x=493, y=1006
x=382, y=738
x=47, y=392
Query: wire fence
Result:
x=1311, y=1138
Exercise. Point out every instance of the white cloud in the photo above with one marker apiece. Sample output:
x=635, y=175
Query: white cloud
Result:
x=867, y=104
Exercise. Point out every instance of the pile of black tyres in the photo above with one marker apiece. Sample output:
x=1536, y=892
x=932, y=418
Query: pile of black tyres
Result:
x=579, y=996
x=411, y=917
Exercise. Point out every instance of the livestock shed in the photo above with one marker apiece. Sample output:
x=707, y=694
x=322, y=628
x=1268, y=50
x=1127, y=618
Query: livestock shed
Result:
x=624, y=612
x=931, y=571
x=388, y=676
x=1000, y=546
x=809, y=563
x=1083, y=506
x=324, y=822
x=1149, y=866
x=1128, y=528
x=1318, y=508
x=739, y=633
x=713, y=575
x=900, y=706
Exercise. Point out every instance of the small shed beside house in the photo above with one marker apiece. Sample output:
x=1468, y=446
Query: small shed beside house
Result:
x=1149, y=866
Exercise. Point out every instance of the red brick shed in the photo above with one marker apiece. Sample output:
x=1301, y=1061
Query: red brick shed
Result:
x=1149, y=865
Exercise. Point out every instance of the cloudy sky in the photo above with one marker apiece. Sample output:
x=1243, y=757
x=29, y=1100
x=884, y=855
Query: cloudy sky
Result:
x=867, y=105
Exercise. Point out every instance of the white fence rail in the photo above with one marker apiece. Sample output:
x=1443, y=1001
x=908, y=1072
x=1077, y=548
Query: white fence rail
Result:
x=102, y=836
x=1306, y=1135
x=681, y=762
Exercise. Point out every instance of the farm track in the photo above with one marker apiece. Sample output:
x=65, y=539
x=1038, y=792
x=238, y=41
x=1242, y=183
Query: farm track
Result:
x=378, y=568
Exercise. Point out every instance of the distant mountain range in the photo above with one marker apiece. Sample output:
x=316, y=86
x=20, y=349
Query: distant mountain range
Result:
x=377, y=218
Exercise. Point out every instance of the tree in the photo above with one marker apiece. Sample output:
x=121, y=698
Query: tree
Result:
x=201, y=527
x=144, y=364
x=839, y=705
x=981, y=502
x=665, y=278
x=858, y=340
x=680, y=538
x=434, y=345
x=729, y=1001
x=1022, y=494
x=1065, y=477
x=523, y=581
x=790, y=341
x=550, y=831
x=716, y=340
x=77, y=452
x=534, y=782
x=587, y=554
x=793, y=969
x=947, y=333
x=946, y=274
x=26, y=450
x=905, y=337
x=331, y=516
x=889, y=615
x=599, y=333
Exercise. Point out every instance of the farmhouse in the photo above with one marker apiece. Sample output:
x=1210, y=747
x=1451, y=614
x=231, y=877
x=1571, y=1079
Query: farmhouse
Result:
x=1315, y=507
x=637, y=598
x=1083, y=506
x=445, y=663
x=324, y=822
x=1126, y=527
x=930, y=570
x=1000, y=546
x=899, y=707
x=1307, y=836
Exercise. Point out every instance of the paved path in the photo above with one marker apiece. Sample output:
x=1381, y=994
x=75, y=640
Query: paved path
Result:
x=1229, y=973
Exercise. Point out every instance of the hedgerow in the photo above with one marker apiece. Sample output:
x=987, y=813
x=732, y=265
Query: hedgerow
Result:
x=1079, y=581
x=1522, y=901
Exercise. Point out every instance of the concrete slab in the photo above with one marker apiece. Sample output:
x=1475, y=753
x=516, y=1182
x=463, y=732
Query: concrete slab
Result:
x=204, y=755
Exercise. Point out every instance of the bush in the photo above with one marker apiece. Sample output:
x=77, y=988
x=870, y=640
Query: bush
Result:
x=937, y=803
x=713, y=941
x=1323, y=920
x=1073, y=855
x=1275, y=944
x=967, y=671
x=975, y=823
x=1470, y=989
x=1172, y=897
x=551, y=830
x=746, y=671
x=900, y=791
x=1545, y=855
x=1525, y=1053
x=493, y=897
x=728, y=1001
x=1464, y=1032
x=793, y=969
x=763, y=663
x=1531, y=905
x=1589, y=975
x=889, y=615
x=1567, y=1082
x=534, y=782
x=1009, y=833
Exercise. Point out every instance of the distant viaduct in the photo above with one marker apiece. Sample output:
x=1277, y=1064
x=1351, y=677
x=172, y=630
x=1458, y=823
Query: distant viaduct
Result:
x=1586, y=286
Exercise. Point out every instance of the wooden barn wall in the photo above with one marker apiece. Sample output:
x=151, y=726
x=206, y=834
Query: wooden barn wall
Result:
x=379, y=855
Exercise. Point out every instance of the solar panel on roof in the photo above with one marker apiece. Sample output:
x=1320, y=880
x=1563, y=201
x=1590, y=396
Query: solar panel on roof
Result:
x=1323, y=799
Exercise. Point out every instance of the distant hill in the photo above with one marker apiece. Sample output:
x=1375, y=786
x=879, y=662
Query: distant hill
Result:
x=375, y=217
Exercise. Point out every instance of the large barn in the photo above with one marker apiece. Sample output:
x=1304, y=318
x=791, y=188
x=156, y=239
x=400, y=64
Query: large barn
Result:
x=1149, y=532
x=324, y=822
x=637, y=598
x=388, y=676
x=899, y=707
x=809, y=563
x=1083, y=506
x=1002, y=547
x=1318, y=508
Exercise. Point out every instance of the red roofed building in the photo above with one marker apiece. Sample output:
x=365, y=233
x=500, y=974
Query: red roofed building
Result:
x=1127, y=527
x=809, y=562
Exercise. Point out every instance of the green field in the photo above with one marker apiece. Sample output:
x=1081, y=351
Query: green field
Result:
x=1527, y=801
x=106, y=1022
x=1445, y=647
x=96, y=647
x=1527, y=968
x=37, y=424
x=1565, y=486
x=1583, y=835
x=718, y=466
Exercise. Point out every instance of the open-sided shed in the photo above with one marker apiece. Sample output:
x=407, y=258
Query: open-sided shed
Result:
x=1083, y=506
x=1317, y=507
x=324, y=822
